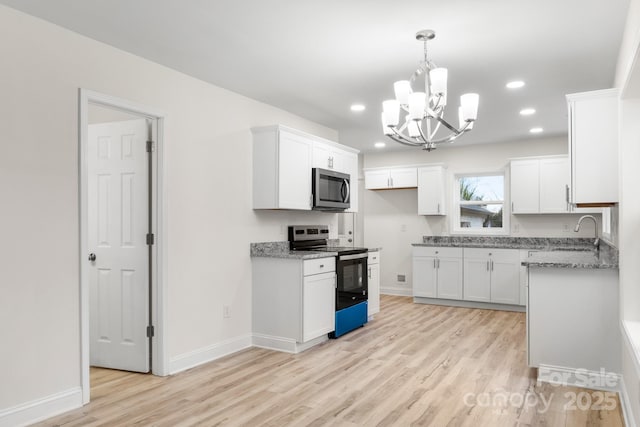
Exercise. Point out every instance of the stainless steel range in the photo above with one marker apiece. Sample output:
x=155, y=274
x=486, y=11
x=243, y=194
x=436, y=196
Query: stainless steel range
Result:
x=351, y=267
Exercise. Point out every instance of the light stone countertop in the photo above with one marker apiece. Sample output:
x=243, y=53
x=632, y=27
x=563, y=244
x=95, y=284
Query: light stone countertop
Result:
x=573, y=259
x=281, y=250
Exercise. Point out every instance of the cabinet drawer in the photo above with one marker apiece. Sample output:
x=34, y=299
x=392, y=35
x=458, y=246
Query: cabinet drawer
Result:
x=319, y=265
x=509, y=255
x=437, y=251
x=374, y=258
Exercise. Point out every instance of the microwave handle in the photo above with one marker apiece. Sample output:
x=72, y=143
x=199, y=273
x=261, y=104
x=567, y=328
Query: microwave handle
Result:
x=345, y=185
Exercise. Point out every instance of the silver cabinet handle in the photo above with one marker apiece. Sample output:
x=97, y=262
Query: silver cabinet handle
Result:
x=438, y=207
x=438, y=263
x=512, y=207
x=321, y=265
x=388, y=182
x=369, y=273
x=434, y=263
x=491, y=265
x=487, y=265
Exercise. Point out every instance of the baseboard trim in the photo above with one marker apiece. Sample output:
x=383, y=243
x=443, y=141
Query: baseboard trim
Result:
x=41, y=409
x=208, y=354
x=286, y=345
x=470, y=304
x=400, y=292
x=594, y=380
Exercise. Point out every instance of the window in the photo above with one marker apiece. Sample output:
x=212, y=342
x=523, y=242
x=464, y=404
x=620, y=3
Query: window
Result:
x=479, y=206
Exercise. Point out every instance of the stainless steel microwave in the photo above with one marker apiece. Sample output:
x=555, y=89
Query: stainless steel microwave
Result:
x=330, y=189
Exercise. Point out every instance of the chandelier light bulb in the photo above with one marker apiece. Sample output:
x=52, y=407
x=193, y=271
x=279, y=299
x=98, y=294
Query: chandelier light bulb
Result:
x=385, y=127
x=412, y=126
x=402, y=90
x=391, y=112
x=438, y=78
x=469, y=104
x=417, y=104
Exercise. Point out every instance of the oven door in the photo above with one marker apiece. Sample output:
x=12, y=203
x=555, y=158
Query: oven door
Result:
x=352, y=287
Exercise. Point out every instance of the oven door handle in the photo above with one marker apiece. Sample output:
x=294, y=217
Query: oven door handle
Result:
x=355, y=256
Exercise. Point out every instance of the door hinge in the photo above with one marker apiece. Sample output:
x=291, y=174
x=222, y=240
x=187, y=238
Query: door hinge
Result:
x=150, y=239
x=150, y=146
x=150, y=331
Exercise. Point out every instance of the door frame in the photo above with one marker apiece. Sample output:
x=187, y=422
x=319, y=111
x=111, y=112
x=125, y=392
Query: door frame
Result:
x=159, y=253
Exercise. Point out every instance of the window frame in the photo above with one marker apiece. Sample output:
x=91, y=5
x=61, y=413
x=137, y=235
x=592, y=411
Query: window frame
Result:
x=506, y=213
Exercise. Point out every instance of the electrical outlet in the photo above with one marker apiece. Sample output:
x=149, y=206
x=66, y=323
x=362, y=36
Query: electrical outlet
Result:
x=403, y=227
x=402, y=278
x=226, y=312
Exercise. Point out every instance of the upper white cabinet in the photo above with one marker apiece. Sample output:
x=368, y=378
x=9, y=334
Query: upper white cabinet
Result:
x=431, y=190
x=539, y=185
x=389, y=178
x=593, y=146
x=282, y=163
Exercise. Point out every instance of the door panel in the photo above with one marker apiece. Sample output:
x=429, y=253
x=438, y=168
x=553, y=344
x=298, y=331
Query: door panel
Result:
x=477, y=280
x=117, y=227
x=449, y=278
x=424, y=277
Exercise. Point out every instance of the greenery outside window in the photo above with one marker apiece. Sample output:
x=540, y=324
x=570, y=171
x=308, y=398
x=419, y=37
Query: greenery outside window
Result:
x=479, y=204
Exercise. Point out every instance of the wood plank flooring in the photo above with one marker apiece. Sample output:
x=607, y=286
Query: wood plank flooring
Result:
x=412, y=365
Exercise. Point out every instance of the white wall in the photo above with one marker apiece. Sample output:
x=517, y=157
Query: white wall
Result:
x=208, y=189
x=391, y=219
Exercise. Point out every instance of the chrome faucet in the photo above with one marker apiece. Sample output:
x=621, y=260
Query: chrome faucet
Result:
x=596, y=242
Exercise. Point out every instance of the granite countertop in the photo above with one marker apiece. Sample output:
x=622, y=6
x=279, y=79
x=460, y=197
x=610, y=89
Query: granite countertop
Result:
x=537, y=243
x=281, y=250
x=605, y=258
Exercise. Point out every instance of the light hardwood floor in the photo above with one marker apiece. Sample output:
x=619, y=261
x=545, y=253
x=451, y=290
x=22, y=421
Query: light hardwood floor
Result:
x=412, y=365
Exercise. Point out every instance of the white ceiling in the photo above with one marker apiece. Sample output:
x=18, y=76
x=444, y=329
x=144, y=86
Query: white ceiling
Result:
x=316, y=58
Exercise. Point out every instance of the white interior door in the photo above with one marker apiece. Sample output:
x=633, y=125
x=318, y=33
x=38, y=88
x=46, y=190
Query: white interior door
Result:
x=117, y=228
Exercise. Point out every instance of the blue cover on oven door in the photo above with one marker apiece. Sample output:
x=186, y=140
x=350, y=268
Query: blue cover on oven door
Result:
x=350, y=318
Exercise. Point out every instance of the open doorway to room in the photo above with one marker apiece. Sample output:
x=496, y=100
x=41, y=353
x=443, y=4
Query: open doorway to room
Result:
x=120, y=246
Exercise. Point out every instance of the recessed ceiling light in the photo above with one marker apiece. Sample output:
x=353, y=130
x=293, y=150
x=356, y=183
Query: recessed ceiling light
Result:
x=527, y=111
x=357, y=107
x=379, y=145
x=516, y=84
x=536, y=130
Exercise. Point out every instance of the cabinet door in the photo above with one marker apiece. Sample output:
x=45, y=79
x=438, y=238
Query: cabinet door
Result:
x=294, y=178
x=424, y=277
x=377, y=179
x=505, y=281
x=477, y=279
x=404, y=178
x=318, y=305
x=554, y=178
x=374, y=289
x=525, y=186
x=593, y=140
x=321, y=155
x=431, y=191
x=449, y=278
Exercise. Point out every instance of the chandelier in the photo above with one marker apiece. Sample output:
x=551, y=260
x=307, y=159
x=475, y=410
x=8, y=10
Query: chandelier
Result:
x=424, y=106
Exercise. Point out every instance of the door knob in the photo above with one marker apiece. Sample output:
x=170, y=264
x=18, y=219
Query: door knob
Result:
x=92, y=257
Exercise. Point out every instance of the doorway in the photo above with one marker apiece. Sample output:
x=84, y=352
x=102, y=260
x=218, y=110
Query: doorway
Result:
x=121, y=238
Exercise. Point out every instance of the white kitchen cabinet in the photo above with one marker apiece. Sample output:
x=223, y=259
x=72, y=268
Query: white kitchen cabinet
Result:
x=431, y=190
x=525, y=186
x=373, y=281
x=437, y=272
x=282, y=163
x=385, y=179
x=492, y=275
x=593, y=146
x=538, y=185
x=281, y=169
x=293, y=302
x=573, y=320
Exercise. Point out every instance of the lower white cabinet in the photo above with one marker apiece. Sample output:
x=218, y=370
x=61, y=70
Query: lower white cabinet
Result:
x=373, y=281
x=492, y=275
x=573, y=320
x=293, y=302
x=437, y=272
